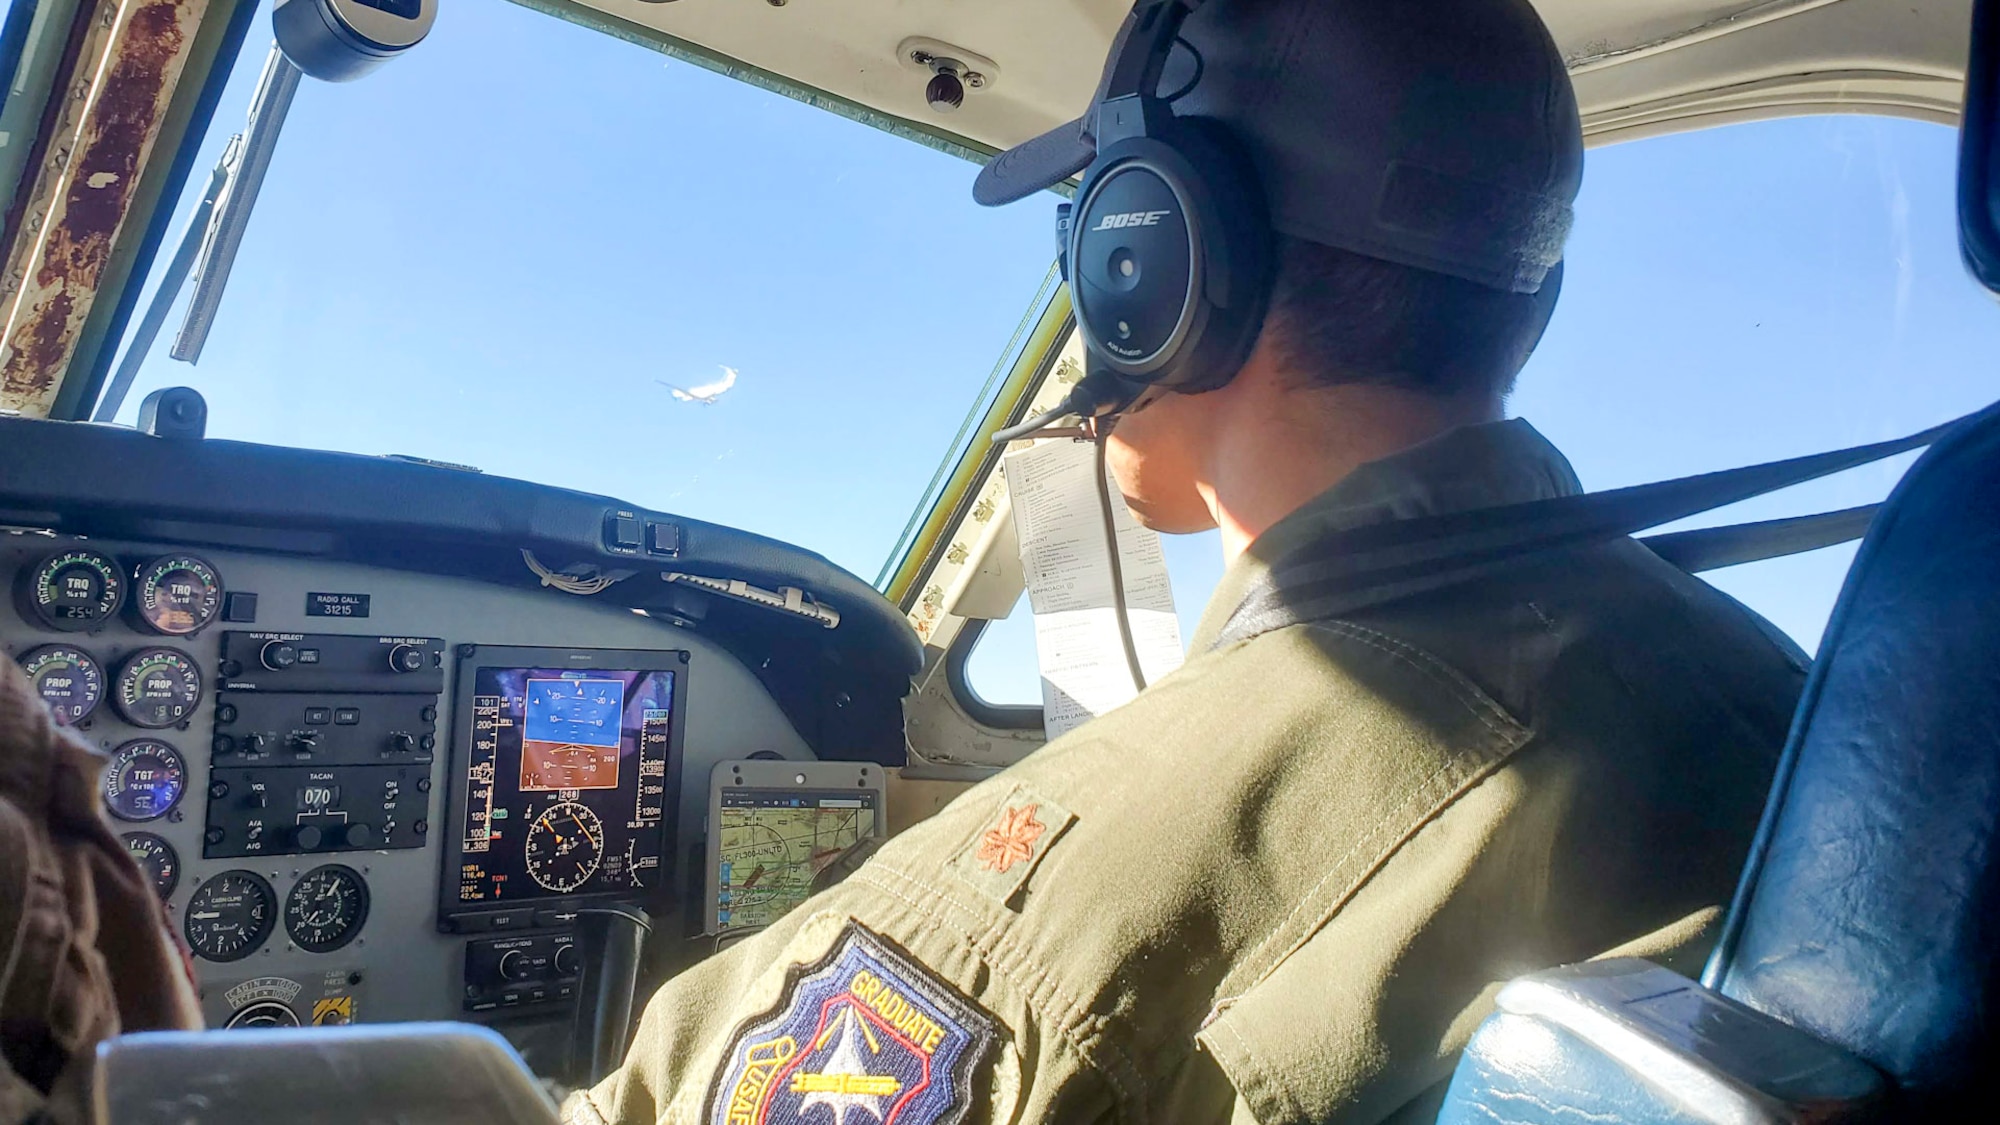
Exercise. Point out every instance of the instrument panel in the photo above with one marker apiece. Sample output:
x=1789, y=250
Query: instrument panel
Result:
x=369, y=794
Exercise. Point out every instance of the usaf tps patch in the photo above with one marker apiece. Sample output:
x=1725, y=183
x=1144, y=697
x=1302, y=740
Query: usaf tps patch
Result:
x=863, y=1037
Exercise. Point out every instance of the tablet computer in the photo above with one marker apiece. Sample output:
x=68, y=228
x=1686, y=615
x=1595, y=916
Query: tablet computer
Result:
x=773, y=825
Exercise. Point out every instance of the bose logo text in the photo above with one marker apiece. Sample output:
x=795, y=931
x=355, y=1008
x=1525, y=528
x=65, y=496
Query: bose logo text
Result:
x=1130, y=219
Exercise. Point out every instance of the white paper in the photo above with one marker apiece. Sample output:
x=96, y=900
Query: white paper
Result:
x=1063, y=552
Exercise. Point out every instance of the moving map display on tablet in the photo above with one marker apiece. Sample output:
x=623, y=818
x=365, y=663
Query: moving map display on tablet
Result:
x=770, y=842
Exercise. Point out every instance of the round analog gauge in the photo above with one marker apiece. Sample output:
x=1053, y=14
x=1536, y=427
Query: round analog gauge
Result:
x=73, y=591
x=177, y=595
x=145, y=780
x=230, y=916
x=326, y=908
x=263, y=1013
x=564, y=847
x=157, y=687
x=67, y=679
x=157, y=859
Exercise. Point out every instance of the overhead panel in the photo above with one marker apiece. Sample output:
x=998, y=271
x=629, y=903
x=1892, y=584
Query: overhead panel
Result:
x=1641, y=66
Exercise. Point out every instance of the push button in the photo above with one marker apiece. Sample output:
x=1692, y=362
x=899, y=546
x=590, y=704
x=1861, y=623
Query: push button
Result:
x=663, y=539
x=346, y=716
x=621, y=531
x=318, y=716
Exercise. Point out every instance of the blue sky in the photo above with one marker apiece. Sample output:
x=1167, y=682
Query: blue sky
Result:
x=488, y=251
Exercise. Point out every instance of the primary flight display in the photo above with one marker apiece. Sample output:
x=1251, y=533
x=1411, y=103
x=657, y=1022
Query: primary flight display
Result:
x=566, y=781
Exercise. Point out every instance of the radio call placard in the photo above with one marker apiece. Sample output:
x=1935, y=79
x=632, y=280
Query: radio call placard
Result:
x=336, y=605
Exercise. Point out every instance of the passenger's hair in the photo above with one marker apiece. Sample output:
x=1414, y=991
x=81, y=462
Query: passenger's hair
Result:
x=1339, y=317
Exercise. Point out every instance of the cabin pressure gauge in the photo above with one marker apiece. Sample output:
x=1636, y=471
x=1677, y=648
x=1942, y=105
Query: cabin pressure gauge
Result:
x=341, y=40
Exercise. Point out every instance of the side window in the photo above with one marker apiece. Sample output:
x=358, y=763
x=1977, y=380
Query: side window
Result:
x=1733, y=295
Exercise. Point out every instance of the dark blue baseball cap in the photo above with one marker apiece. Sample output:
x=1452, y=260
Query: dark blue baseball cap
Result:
x=1439, y=134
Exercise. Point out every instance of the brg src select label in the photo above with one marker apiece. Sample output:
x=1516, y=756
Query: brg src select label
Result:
x=866, y=1035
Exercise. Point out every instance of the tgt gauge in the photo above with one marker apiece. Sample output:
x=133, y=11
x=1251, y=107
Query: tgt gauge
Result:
x=145, y=780
x=75, y=591
x=157, y=687
x=157, y=859
x=230, y=916
x=177, y=595
x=67, y=679
x=564, y=846
x=326, y=908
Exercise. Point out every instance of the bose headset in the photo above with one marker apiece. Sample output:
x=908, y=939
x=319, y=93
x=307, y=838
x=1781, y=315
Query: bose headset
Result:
x=1167, y=249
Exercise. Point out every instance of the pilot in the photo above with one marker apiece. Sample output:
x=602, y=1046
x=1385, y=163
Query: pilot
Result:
x=85, y=951
x=1284, y=883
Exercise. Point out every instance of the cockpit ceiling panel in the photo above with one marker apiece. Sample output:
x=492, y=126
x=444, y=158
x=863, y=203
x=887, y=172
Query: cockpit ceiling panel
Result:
x=1641, y=66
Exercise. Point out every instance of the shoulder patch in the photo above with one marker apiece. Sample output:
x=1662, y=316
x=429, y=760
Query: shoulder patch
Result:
x=1007, y=849
x=864, y=1032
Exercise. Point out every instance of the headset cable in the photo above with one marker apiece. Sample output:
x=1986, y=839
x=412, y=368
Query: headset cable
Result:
x=1111, y=552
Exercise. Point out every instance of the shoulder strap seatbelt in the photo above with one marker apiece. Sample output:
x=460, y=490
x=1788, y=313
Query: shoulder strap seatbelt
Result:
x=1365, y=566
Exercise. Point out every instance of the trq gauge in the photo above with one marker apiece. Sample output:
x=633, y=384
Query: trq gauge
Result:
x=340, y=40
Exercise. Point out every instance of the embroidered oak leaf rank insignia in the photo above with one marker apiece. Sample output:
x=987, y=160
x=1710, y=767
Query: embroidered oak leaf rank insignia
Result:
x=1002, y=855
x=863, y=1037
x=1011, y=841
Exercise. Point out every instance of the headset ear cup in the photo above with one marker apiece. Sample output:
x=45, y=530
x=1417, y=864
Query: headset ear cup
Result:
x=1237, y=259
x=1188, y=317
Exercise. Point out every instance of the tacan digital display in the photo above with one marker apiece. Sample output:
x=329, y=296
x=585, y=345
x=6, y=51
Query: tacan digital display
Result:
x=566, y=783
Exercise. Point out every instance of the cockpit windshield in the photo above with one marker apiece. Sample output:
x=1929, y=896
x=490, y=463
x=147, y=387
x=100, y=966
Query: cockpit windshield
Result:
x=551, y=254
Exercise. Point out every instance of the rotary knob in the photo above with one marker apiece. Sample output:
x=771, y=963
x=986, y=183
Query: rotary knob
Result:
x=278, y=655
x=406, y=658
x=514, y=966
x=565, y=960
x=308, y=837
x=358, y=836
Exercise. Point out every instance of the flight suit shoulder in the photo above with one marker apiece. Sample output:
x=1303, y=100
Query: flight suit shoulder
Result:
x=1049, y=944
x=1126, y=876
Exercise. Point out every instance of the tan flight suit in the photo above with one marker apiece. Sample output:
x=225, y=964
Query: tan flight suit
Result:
x=1285, y=882
x=84, y=949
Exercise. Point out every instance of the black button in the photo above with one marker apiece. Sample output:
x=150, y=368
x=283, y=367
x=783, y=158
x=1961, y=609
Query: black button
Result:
x=318, y=716
x=510, y=999
x=663, y=538
x=621, y=532
x=565, y=991
x=346, y=716
x=239, y=607
x=537, y=995
x=309, y=656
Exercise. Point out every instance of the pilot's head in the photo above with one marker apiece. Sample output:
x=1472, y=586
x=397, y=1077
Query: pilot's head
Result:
x=1399, y=176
